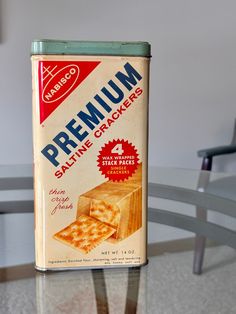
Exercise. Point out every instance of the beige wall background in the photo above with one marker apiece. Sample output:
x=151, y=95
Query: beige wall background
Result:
x=193, y=74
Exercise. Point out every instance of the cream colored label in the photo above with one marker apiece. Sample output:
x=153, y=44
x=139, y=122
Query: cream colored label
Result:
x=90, y=156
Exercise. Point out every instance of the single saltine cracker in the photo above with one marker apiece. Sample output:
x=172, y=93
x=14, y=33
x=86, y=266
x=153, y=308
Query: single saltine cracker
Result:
x=84, y=234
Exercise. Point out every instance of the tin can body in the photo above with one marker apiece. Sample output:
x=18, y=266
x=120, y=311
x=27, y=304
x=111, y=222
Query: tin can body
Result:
x=90, y=121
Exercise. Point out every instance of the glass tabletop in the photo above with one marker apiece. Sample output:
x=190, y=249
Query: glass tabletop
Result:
x=166, y=285
x=184, y=178
x=211, y=190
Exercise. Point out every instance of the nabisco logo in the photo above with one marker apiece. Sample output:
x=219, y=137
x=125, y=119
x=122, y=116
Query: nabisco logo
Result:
x=60, y=83
x=58, y=79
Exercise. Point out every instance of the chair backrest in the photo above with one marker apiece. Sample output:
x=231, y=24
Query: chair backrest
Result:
x=16, y=189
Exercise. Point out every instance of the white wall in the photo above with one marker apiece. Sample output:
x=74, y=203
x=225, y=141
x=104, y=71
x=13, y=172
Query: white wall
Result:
x=193, y=69
x=192, y=99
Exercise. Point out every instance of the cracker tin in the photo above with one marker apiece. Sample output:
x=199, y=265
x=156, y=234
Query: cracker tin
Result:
x=90, y=128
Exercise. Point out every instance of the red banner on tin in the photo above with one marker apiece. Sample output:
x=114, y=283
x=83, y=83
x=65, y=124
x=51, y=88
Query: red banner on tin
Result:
x=57, y=80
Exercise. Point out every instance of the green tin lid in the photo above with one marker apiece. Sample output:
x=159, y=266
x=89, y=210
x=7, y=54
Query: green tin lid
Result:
x=106, y=48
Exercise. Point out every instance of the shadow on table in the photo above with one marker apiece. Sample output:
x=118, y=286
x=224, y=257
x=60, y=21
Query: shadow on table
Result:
x=17, y=272
x=222, y=263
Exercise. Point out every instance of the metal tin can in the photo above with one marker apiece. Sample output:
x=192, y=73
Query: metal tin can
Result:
x=90, y=124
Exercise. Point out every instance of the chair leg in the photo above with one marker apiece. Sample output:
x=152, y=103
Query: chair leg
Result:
x=199, y=251
x=200, y=243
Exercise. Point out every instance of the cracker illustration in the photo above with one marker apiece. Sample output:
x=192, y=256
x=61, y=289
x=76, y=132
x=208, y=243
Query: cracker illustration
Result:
x=119, y=205
x=84, y=234
x=105, y=212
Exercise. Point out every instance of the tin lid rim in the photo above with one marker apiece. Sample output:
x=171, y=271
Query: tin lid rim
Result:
x=74, y=47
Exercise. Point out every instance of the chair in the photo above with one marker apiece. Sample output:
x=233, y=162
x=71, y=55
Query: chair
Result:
x=225, y=187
